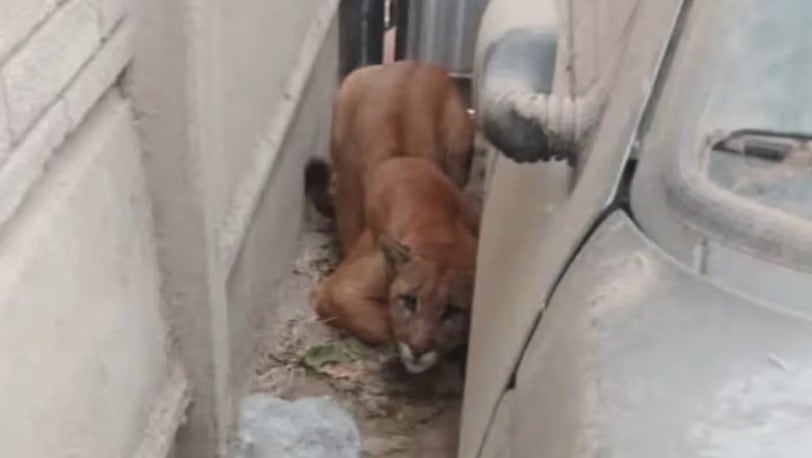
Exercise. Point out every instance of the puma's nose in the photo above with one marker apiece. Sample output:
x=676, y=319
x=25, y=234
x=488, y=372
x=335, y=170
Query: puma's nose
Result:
x=409, y=351
x=418, y=350
x=417, y=361
x=419, y=341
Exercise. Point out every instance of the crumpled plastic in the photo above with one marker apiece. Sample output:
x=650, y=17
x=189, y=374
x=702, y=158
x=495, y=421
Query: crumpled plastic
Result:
x=316, y=427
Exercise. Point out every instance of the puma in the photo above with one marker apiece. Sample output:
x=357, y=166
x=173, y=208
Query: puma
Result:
x=400, y=152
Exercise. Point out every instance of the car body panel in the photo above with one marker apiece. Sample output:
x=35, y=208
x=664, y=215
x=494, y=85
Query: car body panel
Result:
x=499, y=439
x=536, y=216
x=639, y=356
x=742, y=64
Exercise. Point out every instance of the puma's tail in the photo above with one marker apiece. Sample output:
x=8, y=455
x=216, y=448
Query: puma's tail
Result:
x=317, y=186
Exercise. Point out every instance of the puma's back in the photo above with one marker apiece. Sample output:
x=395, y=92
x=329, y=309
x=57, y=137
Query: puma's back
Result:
x=403, y=109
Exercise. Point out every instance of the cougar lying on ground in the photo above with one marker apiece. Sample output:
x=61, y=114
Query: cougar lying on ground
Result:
x=401, y=150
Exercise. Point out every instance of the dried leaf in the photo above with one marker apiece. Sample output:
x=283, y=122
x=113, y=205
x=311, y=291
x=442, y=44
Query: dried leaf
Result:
x=318, y=356
x=342, y=371
x=343, y=351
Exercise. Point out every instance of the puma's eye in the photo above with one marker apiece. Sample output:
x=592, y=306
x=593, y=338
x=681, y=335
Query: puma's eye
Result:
x=408, y=302
x=451, y=313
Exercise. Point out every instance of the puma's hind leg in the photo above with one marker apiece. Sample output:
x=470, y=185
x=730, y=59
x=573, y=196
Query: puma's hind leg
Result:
x=353, y=298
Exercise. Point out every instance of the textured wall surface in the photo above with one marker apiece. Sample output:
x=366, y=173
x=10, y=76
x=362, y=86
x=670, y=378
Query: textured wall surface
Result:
x=83, y=345
x=151, y=157
x=232, y=97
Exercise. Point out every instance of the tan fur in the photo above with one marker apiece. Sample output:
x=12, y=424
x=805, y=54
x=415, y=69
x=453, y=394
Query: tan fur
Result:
x=401, y=149
x=394, y=110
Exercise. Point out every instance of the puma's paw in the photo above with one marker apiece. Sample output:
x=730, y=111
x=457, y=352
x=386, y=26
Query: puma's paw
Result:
x=321, y=303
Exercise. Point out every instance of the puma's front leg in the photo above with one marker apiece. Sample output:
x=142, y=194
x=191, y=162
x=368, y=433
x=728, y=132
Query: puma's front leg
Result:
x=354, y=298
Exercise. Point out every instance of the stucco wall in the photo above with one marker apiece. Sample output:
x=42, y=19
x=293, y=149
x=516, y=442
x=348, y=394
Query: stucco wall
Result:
x=83, y=346
x=261, y=42
x=232, y=97
x=269, y=242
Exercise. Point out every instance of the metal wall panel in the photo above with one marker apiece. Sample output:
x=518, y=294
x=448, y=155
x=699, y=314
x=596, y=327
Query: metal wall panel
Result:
x=444, y=32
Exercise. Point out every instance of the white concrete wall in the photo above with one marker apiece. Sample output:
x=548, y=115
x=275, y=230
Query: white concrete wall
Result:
x=84, y=352
x=261, y=42
x=268, y=243
x=151, y=174
x=232, y=97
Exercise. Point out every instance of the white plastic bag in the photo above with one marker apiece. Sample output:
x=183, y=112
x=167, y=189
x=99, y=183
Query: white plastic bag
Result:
x=271, y=427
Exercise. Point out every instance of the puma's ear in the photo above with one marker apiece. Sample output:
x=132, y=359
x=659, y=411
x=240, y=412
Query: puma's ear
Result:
x=396, y=254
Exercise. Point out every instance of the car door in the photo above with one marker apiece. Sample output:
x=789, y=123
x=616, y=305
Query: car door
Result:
x=537, y=215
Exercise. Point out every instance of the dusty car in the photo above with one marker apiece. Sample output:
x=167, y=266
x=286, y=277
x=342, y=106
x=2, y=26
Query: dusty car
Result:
x=645, y=266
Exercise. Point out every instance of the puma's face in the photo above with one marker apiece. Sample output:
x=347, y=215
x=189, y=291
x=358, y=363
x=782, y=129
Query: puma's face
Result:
x=429, y=309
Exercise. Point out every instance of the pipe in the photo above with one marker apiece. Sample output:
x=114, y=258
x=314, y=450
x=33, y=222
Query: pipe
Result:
x=372, y=30
x=521, y=115
x=361, y=24
x=402, y=24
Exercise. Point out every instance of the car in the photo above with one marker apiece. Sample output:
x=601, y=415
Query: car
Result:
x=644, y=284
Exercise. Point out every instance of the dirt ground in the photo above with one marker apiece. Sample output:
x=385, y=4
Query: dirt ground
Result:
x=398, y=414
